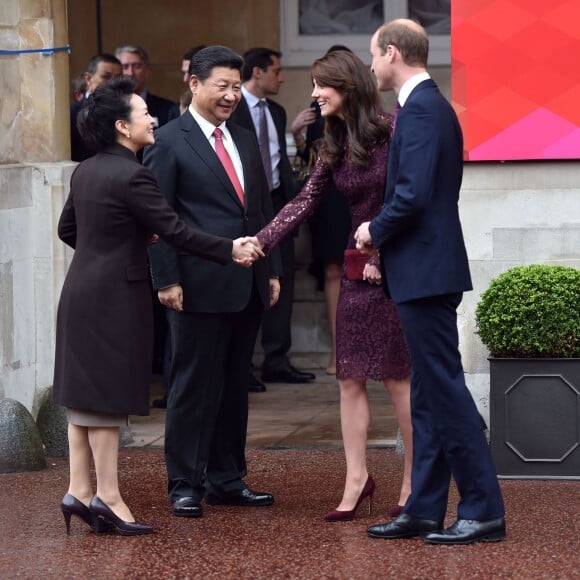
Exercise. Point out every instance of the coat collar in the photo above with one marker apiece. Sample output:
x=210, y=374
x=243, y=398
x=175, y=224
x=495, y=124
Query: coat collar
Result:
x=116, y=149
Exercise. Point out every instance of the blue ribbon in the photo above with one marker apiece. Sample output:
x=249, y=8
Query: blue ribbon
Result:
x=46, y=51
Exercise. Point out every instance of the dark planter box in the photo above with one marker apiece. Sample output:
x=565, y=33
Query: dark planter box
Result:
x=535, y=418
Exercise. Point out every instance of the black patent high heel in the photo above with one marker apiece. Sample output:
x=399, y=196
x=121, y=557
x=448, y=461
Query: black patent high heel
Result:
x=105, y=514
x=71, y=506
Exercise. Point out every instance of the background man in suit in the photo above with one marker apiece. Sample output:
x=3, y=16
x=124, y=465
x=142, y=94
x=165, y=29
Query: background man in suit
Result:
x=135, y=61
x=215, y=180
x=426, y=270
x=102, y=68
x=262, y=77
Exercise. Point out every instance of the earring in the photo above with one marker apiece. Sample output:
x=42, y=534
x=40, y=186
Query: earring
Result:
x=128, y=135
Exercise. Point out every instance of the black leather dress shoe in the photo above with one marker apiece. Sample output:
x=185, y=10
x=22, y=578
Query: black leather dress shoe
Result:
x=187, y=507
x=468, y=532
x=243, y=497
x=405, y=526
x=286, y=374
x=255, y=385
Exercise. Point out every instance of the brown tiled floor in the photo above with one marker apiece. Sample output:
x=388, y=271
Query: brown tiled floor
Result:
x=288, y=540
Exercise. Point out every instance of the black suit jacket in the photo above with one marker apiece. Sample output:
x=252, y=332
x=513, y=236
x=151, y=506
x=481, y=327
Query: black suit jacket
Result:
x=193, y=180
x=79, y=150
x=288, y=185
x=161, y=109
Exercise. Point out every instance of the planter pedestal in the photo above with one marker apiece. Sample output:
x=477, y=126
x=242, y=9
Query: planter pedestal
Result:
x=535, y=418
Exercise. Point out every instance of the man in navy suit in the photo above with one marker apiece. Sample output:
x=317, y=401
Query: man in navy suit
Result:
x=425, y=271
x=215, y=311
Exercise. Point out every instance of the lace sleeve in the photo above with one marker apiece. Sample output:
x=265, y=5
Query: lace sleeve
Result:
x=298, y=210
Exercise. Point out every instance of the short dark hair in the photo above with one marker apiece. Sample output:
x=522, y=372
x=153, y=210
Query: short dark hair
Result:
x=103, y=57
x=257, y=57
x=193, y=51
x=203, y=62
x=106, y=105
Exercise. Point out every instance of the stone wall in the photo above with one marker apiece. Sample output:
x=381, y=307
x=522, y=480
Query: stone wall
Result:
x=33, y=264
x=513, y=214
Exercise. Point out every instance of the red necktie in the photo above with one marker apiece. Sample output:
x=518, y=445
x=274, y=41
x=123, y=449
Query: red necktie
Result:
x=227, y=163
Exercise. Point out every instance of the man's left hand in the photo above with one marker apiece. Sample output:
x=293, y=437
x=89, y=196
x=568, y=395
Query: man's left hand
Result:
x=274, y=291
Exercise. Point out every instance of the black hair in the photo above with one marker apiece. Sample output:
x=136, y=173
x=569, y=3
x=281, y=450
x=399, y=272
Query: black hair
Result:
x=193, y=51
x=204, y=61
x=257, y=57
x=104, y=107
x=104, y=57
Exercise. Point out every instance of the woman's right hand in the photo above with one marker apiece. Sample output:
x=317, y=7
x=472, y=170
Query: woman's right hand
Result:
x=245, y=251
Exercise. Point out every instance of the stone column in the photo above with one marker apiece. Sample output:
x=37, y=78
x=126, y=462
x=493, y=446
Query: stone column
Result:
x=34, y=176
x=34, y=103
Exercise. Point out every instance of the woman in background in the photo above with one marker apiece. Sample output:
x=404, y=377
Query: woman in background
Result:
x=104, y=336
x=330, y=223
x=370, y=340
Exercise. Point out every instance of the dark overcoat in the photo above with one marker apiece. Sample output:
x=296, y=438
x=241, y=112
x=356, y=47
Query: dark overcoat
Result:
x=104, y=331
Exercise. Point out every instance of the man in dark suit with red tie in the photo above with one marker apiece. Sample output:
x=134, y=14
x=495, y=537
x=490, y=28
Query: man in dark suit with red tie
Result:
x=262, y=77
x=425, y=271
x=211, y=172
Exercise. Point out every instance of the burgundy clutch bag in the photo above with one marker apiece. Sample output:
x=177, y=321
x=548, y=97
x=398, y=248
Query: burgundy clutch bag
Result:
x=354, y=264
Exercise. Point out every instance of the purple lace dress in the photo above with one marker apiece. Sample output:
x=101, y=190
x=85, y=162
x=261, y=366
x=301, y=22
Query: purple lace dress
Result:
x=369, y=338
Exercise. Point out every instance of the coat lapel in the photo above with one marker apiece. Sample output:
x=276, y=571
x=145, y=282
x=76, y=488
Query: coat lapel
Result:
x=198, y=142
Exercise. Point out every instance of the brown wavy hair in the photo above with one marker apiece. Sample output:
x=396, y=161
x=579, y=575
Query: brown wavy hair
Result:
x=364, y=122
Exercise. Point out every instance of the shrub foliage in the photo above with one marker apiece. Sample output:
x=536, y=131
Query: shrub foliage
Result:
x=532, y=312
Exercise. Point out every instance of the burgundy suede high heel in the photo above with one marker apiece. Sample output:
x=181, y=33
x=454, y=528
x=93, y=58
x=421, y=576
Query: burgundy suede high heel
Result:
x=396, y=510
x=346, y=515
x=71, y=506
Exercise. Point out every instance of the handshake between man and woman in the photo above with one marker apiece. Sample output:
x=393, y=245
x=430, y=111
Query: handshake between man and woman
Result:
x=246, y=251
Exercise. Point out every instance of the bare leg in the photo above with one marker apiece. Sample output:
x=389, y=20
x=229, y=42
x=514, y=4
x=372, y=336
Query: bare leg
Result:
x=105, y=446
x=332, y=274
x=79, y=463
x=400, y=391
x=355, y=416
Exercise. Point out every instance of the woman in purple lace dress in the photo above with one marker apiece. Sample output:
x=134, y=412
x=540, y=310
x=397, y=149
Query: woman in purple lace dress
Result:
x=370, y=340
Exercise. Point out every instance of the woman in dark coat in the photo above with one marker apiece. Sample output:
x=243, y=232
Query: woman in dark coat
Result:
x=104, y=335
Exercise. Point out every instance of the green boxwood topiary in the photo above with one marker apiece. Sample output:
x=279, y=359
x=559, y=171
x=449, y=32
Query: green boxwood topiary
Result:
x=531, y=312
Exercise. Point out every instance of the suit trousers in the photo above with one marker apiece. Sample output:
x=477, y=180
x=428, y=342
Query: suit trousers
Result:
x=207, y=406
x=447, y=435
x=277, y=323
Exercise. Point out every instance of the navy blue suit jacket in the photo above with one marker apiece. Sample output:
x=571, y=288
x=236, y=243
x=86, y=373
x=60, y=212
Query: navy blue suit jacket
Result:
x=418, y=230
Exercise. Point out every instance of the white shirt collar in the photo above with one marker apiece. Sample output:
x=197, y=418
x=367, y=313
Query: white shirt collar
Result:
x=409, y=85
x=251, y=99
x=207, y=127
